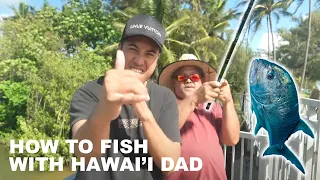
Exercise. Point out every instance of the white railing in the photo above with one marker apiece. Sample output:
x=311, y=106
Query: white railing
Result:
x=245, y=161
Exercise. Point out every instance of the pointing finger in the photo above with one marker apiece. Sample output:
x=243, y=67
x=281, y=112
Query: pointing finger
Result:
x=214, y=84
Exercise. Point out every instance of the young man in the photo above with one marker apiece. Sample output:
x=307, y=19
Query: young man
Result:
x=123, y=104
x=202, y=131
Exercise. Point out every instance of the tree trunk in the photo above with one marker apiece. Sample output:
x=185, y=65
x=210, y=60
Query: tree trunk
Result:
x=274, y=52
x=307, y=48
x=199, y=4
x=248, y=36
x=268, y=38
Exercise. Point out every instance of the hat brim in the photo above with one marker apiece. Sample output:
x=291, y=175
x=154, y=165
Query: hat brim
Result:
x=165, y=77
x=145, y=35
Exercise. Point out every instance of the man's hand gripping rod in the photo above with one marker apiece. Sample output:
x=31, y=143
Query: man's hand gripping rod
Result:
x=233, y=45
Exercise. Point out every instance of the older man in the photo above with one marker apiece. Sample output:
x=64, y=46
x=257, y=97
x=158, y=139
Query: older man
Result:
x=202, y=131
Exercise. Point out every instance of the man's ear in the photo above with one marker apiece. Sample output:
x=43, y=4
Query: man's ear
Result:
x=159, y=54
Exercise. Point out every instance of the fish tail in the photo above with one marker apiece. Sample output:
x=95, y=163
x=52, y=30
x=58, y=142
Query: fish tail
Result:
x=284, y=151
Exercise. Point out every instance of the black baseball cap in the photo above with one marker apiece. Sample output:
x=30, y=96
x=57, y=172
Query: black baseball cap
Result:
x=145, y=25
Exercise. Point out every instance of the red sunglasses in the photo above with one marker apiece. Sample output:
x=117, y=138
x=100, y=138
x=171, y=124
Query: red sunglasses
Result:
x=185, y=77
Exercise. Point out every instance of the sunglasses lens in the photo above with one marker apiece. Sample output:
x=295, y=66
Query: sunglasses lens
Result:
x=182, y=78
x=195, y=77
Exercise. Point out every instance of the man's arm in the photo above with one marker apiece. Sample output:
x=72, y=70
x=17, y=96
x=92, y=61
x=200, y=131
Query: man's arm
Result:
x=91, y=116
x=163, y=137
x=230, y=126
x=97, y=127
x=159, y=144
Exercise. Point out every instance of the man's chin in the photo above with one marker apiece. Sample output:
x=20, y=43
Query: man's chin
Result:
x=188, y=90
x=188, y=93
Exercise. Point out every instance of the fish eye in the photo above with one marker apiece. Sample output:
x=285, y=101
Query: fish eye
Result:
x=270, y=75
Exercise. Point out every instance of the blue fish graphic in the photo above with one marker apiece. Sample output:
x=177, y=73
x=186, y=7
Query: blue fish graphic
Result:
x=274, y=100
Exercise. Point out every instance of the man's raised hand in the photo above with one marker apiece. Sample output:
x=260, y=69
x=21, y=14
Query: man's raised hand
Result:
x=208, y=91
x=122, y=87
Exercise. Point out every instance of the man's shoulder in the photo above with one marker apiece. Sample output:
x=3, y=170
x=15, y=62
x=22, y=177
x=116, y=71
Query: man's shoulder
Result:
x=89, y=89
x=158, y=89
x=92, y=84
x=160, y=97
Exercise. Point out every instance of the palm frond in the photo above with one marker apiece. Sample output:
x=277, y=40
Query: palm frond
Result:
x=16, y=12
x=259, y=6
x=242, y=3
x=183, y=44
x=23, y=9
x=195, y=52
x=167, y=56
x=177, y=24
x=278, y=5
x=257, y=21
x=277, y=17
x=213, y=56
x=206, y=41
x=202, y=31
x=221, y=26
x=147, y=6
x=131, y=11
x=122, y=13
x=288, y=14
x=299, y=3
x=162, y=9
x=111, y=48
x=118, y=25
x=220, y=3
x=231, y=13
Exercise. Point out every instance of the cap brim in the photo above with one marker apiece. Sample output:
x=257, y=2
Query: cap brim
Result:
x=145, y=35
x=165, y=77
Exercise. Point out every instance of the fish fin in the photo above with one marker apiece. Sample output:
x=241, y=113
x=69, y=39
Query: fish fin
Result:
x=284, y=151
x=252, y=110
x=257, y=128
x=303, y=127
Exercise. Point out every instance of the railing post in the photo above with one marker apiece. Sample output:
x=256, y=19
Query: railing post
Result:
x=317, y=173
x=297, y=143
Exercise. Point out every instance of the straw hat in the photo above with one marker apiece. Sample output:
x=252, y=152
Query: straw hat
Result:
x=165, y=77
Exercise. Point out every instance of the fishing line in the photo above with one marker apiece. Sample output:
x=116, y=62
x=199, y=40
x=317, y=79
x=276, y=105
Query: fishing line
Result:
x=233, y=45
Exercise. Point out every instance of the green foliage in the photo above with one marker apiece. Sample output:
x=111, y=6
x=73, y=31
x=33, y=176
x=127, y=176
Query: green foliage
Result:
x=292, y=53
x=13, y=101
x=17, y=69
x=194, y=27
x=55, y=83
x=237, y=73
x=25, y=131
x=85, y=22
x=38, y=77
x=44, y=103
x=29, y=37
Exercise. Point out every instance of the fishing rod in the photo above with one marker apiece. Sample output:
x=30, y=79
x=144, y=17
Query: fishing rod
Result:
x=233, y=45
